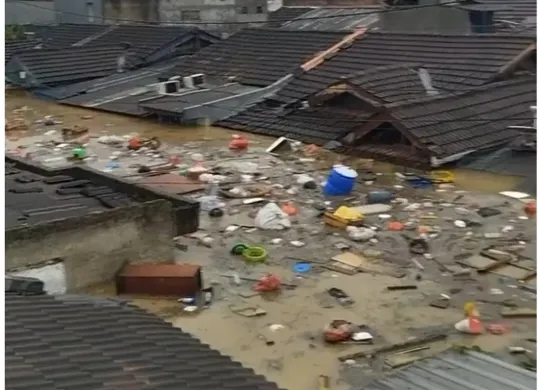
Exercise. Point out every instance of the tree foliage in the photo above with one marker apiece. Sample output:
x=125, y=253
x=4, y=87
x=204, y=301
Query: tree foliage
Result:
x=15, y=32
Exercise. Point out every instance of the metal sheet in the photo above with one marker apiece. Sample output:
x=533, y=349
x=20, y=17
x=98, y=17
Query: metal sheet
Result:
x=453, y=371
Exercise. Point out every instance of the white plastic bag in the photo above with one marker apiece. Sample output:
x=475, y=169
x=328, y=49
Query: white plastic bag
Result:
x=360, y=233
x=271, y=217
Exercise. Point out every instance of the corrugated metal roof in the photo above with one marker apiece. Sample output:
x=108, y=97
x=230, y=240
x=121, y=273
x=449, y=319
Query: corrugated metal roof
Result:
x=334, y=19
x=453, y=371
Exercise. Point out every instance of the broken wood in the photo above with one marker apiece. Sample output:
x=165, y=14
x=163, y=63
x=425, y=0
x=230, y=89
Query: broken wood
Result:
x=338, y=267
x=394, y=347
x=324, y=382
x=518, y=313
x=402, y=360
x=402, y=287
x=495, y=265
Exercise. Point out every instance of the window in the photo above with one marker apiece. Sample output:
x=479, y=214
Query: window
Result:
x=89, y=12
x=244, y=10
x=259, y=9
x=190, y=16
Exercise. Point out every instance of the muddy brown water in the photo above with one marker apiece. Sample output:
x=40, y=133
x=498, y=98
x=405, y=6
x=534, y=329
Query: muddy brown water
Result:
x=297, y=357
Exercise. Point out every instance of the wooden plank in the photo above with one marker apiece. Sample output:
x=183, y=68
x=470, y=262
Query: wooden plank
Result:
x=518, y=313
x=393, y=347
x=350, y=259
x=401, y=360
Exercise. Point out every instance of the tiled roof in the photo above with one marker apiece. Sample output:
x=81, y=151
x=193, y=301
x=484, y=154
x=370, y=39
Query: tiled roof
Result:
x=462, y=371
x=14, y=46
x=470, y=121
x=334, y=19
x=69, y=64
x=284, y=14
x=455, y=62
x=257, y=56
x=144, y=40
x=513, y=10
x=93, y=343
x=63, y=35
x=316, y=125
x=392, y=83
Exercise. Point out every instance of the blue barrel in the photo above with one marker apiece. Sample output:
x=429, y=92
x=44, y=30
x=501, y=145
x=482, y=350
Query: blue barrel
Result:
x=340, y=181
x=380, y=196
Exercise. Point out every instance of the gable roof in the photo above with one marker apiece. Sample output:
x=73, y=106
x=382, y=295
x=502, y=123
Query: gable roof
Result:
x=257, y=56
x=69, y=64
x=474, y=120
x=455, y=62
x=95, y=343
x=146, y=40
x=387, y=84
x=334, y=19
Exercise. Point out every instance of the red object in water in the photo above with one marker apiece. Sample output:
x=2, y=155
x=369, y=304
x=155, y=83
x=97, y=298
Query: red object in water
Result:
x=134, y=143
x=497, y=328
x=475, y=326
x=238, y=142
x=268, y=283
x=174, y=160
x=530, y=209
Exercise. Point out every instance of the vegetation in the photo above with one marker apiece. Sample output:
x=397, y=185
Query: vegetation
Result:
x=15, y=32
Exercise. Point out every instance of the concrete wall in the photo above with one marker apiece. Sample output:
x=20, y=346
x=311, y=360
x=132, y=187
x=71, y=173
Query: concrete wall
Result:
x=29, y=12
x=221, y=11
x=88, y=11
x=439, y=19
x=95, y=247
x=128, y=11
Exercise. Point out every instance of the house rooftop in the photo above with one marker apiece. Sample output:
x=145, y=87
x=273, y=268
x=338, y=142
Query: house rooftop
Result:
x=284, y=14
x=257, y=56
x=97, y=343
x=455, y=62
x=34, y=199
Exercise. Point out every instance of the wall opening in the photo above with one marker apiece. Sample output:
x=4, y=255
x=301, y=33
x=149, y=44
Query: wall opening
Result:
x=385, y=134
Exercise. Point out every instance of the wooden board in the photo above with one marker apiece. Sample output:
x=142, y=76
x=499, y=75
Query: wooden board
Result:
x=511, y=271
x=340, y=267
x=521, y=312
x=477, y=262
x=349, y=258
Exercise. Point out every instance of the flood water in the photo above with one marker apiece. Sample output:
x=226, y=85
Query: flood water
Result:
x=36, y=109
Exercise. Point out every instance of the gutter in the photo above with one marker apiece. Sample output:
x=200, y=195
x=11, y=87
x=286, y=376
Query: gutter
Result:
x=437, y=162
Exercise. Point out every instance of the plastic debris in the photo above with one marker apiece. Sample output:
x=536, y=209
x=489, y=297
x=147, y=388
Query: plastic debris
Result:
x=271, y=217
x=268, y=283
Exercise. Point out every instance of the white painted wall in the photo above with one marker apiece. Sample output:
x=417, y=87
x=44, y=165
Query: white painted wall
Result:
x=52, y=275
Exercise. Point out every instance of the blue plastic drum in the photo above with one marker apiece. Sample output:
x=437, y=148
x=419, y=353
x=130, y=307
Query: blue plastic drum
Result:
x=340, y=181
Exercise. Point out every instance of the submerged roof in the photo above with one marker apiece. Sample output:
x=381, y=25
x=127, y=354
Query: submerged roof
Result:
x=334, y=19
x=68, y=64
x=513, y=10
x=473, y=120
x=455, y=62
x=257, y=56
x=459, y=371
x=15, y=46
x=96, y=343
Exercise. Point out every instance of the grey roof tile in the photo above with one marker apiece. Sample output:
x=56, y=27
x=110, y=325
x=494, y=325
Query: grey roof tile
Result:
x=124, y=361
x=257, y=56
x=513, y=10
x=284, y=14
x=334, y=19
x=455, y=62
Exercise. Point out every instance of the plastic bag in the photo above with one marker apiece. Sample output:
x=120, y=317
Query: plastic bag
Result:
x=360, y=233
x=271, y=217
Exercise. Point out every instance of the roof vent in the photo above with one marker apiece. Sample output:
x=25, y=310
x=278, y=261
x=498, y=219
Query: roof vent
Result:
x=24, y=286
x=167, y=87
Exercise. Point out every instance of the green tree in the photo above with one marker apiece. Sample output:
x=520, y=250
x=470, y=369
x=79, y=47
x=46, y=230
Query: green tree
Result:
x=15, y=32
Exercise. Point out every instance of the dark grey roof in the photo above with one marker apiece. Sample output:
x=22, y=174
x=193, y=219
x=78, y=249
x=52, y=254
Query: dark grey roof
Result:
x=316, y=125
x=146, y=40
x=15, y=46
x=30, y=199
x=66, y=65
x=334, y=19
x=455, y=62
x=96, y=343
x=459, y=371
x=474, y=120
x=175, y=104
x=88, y=91
x=392, y=83
x=64, y=35
x=284, y=14
x=257, y=56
